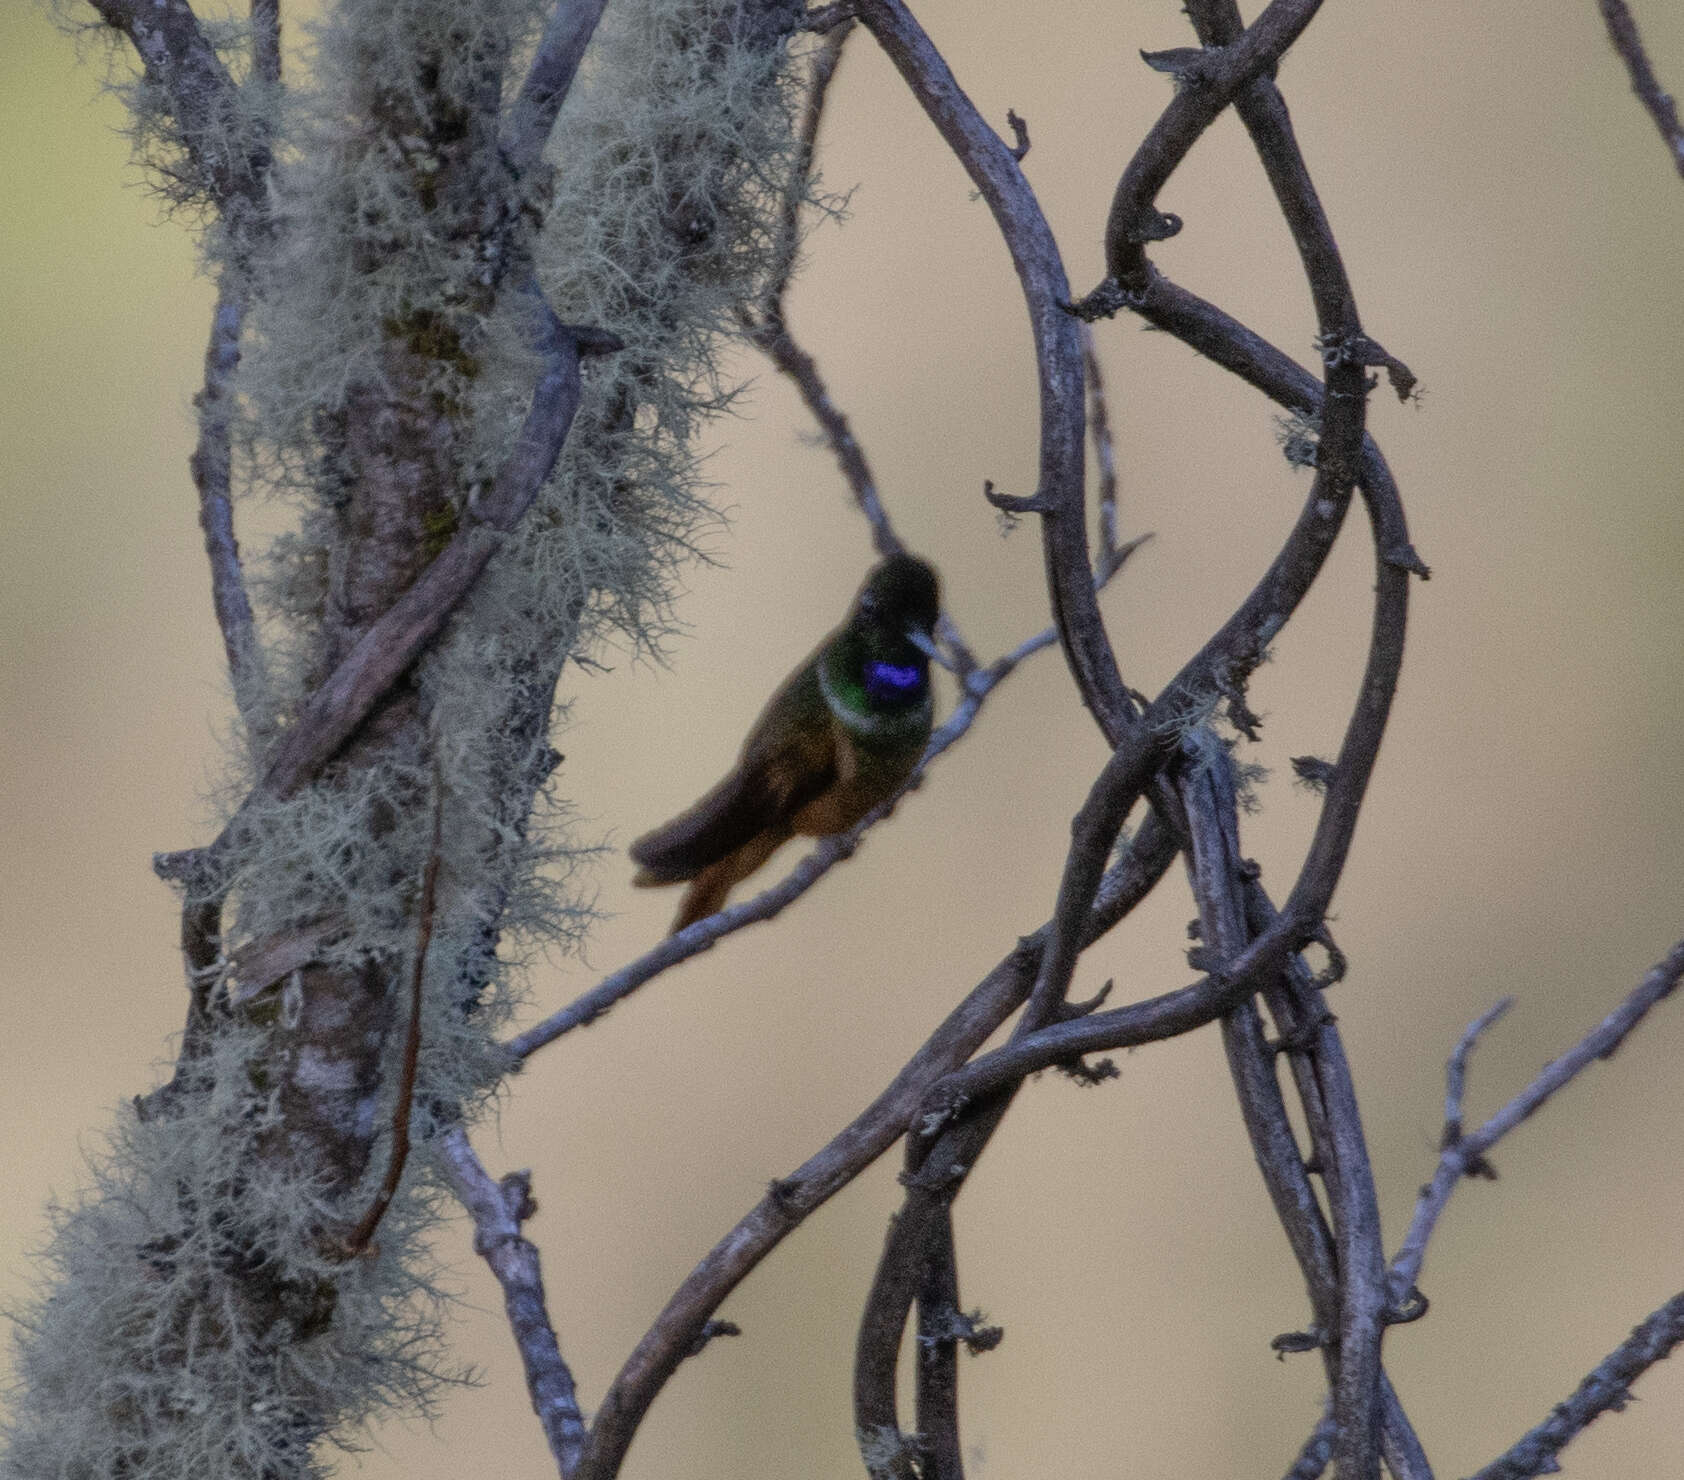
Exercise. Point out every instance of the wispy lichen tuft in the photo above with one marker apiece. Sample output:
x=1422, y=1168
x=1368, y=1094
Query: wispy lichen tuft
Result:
x=199, y=1318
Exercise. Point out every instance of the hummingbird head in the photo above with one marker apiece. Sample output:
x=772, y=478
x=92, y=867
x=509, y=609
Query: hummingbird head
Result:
x=901, y=598
x=889, y=640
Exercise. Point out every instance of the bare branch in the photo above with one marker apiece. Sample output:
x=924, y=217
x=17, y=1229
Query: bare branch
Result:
x=1058, y=359
x=1211, y=78
x=1456, y=1076
x=940, y=1323
x=1623, y=32
x=1606, y=1389
x=1104, y=452
x=498, y=1210
x=790, y=1200
x=1463, y=1154
x=826, y=854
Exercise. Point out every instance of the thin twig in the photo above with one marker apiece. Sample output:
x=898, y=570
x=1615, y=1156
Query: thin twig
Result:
x=1317, y=1451
x=791, y=1200
x=211, y=466
x=1020, y=134
x=1462, y=1154
x=1623, y=32
x=498, y=1210
x=1104, y=452
x=266, y=40
x=1456, y=1074
x=1606, y=1389
x=767, y=323
x=359, y=1238
x=705, y=933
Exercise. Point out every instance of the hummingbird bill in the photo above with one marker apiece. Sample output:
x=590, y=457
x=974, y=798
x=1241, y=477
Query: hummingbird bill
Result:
x=840, y=735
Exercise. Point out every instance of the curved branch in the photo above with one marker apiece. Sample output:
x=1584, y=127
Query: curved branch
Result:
x=1207, y=82
x=790, y=1200
x=555, y=64
x=993, y=169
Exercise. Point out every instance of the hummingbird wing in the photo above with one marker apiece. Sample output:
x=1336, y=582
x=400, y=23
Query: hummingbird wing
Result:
x=788, y=759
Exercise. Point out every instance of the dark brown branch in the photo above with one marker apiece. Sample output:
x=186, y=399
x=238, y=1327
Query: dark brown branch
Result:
x=1058, y=356
x=498, y=1210
x=1209, y=80
x=1606, y=1389
x=1623, y=32
x=211, y=466
x=1464, y=1154
x=360, y=1236
x=555, y=64
x=940, y=1323
x=266, y=40
x=790, y=1200
x=1223, y=664
x=1361, y=1399
x=1237, y=348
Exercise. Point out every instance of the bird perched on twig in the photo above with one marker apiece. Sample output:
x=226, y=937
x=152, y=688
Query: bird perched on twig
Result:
x=838, y=737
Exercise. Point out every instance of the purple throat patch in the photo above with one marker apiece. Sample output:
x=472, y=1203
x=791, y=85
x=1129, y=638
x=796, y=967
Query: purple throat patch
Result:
x=892, y=680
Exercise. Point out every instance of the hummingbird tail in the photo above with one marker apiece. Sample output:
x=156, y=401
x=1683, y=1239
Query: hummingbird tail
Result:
x=708, y=890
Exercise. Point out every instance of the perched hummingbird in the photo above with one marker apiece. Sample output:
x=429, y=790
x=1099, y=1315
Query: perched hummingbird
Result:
x=841, y=733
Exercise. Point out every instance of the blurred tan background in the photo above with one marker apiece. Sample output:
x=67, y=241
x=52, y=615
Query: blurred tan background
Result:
x=1513, y=228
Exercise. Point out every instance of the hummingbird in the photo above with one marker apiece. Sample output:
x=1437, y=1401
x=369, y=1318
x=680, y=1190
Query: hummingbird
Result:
x=839, y=736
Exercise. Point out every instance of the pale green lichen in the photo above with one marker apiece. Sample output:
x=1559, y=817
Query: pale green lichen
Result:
x=193, y=1321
